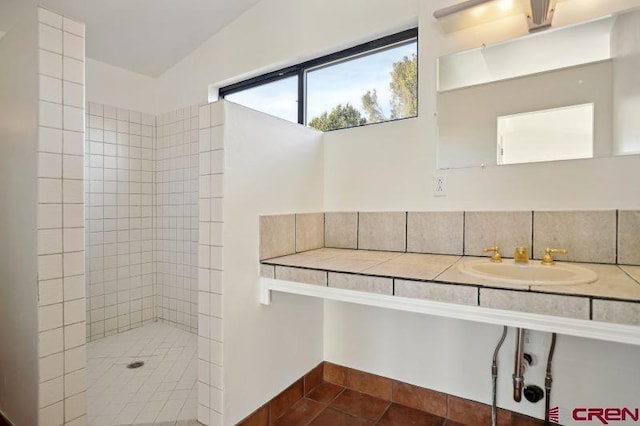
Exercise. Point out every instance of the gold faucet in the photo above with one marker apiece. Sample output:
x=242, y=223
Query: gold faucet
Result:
x=521, y=255
x=495, y=257
x=547, y=259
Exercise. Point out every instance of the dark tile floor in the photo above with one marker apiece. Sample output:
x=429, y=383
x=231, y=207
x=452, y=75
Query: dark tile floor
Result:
x=332, y=405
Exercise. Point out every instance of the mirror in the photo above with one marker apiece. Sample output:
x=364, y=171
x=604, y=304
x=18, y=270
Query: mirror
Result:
x=566, y=93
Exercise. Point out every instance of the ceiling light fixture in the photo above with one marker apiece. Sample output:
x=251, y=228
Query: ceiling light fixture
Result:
x=539, y=13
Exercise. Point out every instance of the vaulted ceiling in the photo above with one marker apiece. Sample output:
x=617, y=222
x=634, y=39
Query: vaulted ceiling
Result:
x=148, y=36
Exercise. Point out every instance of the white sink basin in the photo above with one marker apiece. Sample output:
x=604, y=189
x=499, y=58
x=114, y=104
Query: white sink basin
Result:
x=532, y=273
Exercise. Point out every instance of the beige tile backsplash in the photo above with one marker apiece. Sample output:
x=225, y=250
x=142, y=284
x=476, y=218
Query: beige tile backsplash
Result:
x=629, y=237
x=309, y=231
x=277, y=235
x=506, y=230
x=341, y=230
x=435, y=232
x=382, y=231
x=589, y=236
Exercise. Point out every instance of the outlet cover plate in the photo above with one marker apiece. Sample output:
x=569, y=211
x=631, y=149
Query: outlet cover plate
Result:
x=439, y=186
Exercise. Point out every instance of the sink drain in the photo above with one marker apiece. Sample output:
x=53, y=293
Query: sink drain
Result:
x=136, y=364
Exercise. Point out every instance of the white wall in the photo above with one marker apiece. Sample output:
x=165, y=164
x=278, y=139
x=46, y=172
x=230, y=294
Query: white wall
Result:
x=111, y=85
x=271, y=166
x=277, y=33
x=18, y=191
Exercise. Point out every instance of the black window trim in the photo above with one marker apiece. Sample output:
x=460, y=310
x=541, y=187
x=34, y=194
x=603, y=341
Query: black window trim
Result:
x=301, y=69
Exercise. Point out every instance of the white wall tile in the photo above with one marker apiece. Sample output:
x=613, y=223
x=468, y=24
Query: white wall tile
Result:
x=73, y=46
x=216, y=210
x=217, y=235
x=216, y=353
x=75, y=406
x=75, y=382
x=49, y=165
x=73, y=118
x=49, y=266
x=50, y=38
x=73, y=263
x=75, y=359
x=217, y=137
x=73, y=191
x=47, y=17
x=216, y=376
x=50, y=114
x=74, y=288
x=73, y=70
x=50, y=241
x=204, y=119
x=50, y=89
x=49, y=140
x=51, y=392
x=217, y=161
x=74, y=27
x=74, y=311
x=50, y=63
x=73, y=166
x=73, y=143
x=217, y=186
x=73, y=94
x=50, y=342
x=73, y=215
x=74, y=335
x=49, y=190
x=217, y=114
x=52, y=415
x=49, y=317
x=50, y=292
x=49, y=216
x=73, y=239
x=51, y=367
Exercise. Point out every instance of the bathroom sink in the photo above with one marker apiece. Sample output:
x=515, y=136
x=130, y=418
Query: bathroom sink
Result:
x=532, y=273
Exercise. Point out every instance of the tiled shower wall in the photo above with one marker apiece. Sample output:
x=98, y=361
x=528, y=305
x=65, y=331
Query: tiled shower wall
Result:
x=177, y=218
x=119, y=194
x=141, y=192
x=211, y=265
x=61, y=292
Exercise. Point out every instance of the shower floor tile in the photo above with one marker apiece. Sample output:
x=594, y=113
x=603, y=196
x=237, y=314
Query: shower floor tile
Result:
x=162, y=391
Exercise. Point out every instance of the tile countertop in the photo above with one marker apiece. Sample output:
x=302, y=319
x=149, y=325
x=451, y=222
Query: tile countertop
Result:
x=614, y=282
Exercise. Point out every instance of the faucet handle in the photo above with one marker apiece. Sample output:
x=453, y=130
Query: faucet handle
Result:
x=547, y=259
x=496, y=257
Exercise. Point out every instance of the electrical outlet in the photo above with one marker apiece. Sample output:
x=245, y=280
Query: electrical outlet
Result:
x=439, y=186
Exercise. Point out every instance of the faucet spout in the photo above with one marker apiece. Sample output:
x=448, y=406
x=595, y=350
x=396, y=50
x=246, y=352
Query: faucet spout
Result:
x=521, y=255
x=518, y=374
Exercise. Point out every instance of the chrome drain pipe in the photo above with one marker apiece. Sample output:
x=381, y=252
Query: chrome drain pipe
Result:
x=518, y=374
x=494, y=379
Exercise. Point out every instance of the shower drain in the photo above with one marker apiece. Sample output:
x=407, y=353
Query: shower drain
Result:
x=136, y=364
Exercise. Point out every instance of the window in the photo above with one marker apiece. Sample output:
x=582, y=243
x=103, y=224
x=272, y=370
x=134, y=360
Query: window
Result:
x=279, y=98
x=366, y=84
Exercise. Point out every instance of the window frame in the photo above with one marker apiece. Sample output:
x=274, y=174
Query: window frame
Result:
x=300, y=70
